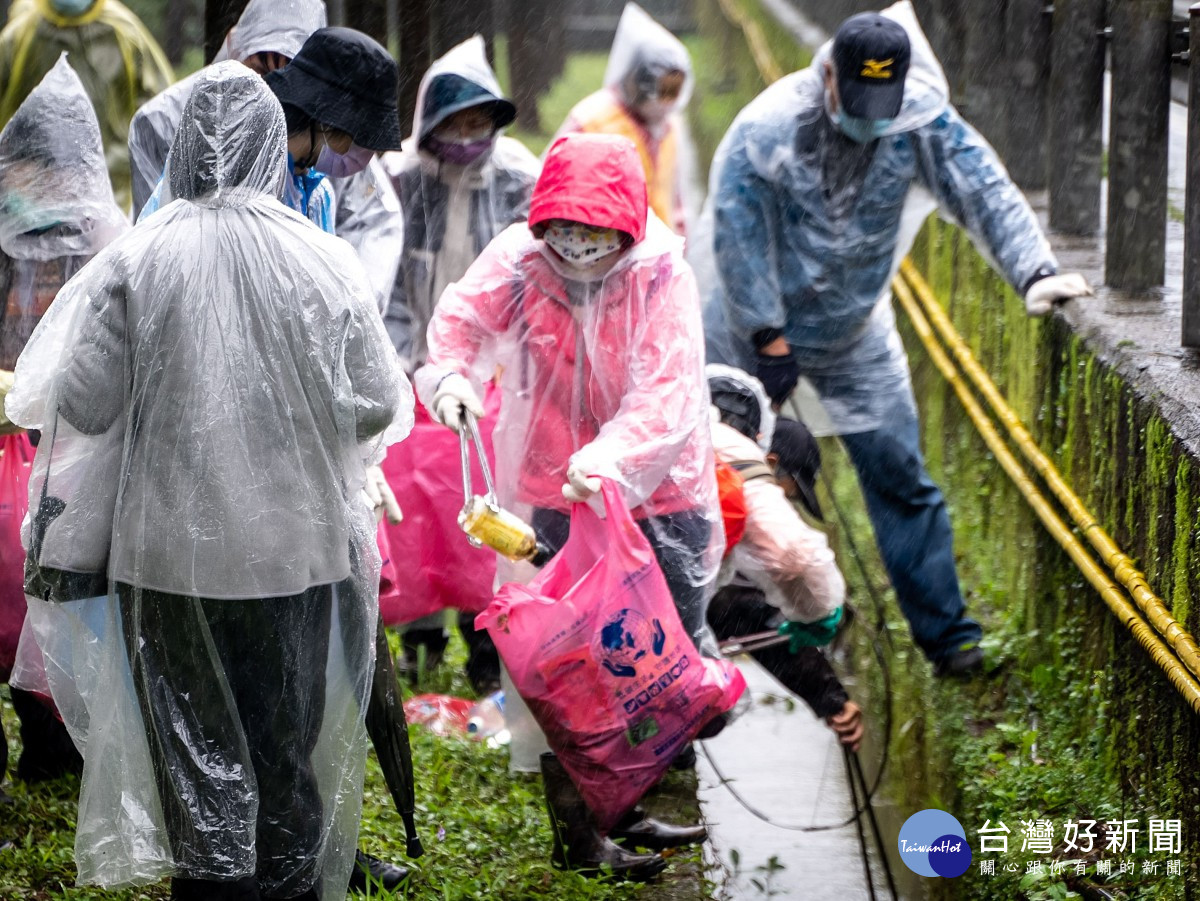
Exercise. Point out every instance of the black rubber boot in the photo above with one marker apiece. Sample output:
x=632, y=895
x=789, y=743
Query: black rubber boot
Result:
x=47, y=751
x=483, y=660
x=433, y=641
x=641, y=831
x=577, y=844
x=370, y=870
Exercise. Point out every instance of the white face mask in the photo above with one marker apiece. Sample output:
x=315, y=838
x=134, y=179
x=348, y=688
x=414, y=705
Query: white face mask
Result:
x=343, y=165
x=582, y=246
x=655, y=112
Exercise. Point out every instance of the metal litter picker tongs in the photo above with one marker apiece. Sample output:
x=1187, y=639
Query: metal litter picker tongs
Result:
x=482, y=518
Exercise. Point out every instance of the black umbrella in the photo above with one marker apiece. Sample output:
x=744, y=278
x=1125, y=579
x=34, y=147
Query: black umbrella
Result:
x=388, y=728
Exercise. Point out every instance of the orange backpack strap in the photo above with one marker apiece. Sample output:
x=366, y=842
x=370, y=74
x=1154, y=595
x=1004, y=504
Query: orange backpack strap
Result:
x=733, y=504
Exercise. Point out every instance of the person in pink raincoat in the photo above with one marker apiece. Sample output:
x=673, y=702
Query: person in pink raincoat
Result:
x=592, y=317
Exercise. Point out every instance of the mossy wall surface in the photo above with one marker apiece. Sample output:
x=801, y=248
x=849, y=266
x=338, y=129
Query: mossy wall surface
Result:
x=1073, y=720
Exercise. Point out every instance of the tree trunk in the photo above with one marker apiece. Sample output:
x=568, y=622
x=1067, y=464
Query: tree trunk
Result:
x=369, y=16
x=416, y=52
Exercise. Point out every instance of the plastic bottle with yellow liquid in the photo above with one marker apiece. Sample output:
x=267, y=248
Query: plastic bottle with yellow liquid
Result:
x=482, y=518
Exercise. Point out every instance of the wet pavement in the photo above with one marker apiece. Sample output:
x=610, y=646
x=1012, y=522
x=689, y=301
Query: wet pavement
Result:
x=785, y=762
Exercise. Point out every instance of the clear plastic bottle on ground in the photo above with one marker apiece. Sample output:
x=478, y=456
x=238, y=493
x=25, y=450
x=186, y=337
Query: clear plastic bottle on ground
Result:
x=486, y=718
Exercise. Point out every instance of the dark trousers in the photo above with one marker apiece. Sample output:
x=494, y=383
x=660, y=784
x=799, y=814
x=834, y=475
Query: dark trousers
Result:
x=736, y=611
x=47, y=751
x=232, y=694
x=912, y=529
x=678, y=539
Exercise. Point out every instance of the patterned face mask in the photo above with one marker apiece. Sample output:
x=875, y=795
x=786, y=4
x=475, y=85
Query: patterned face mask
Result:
x=582, y=245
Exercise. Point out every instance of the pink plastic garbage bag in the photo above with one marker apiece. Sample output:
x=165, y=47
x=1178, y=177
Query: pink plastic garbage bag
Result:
x=16, y=454
x=596, y=649
x=434, y=565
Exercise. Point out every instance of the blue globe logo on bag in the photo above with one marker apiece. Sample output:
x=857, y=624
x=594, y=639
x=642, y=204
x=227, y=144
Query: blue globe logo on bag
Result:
x=626, y=638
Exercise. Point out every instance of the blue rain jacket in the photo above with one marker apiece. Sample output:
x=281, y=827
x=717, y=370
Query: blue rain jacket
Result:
x=809, y=229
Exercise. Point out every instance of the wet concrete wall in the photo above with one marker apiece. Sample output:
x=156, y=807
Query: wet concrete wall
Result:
x=1074, y=721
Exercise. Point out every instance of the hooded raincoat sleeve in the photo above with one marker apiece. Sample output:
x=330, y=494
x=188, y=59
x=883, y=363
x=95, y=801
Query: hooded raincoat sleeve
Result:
x=203, y=568
x=745, y=239
x=963, y=173
x=659, y=414
x=368, y=216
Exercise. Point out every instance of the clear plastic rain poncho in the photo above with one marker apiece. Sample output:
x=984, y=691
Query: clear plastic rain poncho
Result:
x=203, y=569
x=56, y=202
x=808, y=229
x=361, y=208
x=479, y=200
x=605, y=373
x=116, y=58
x=265, y=26
x=642, y=52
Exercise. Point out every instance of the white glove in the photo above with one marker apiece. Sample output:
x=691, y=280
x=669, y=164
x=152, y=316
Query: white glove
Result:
x=454, y=394
x=380, y=497
x=1045, y=292
x=580, y=486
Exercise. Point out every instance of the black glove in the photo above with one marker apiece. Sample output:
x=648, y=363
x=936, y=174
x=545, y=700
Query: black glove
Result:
x=779, y=375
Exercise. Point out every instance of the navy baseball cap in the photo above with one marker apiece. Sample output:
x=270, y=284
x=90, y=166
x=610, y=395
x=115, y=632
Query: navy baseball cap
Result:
x=871, y=55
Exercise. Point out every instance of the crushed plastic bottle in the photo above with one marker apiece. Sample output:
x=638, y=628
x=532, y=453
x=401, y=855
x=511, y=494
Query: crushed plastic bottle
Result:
x=486, y=718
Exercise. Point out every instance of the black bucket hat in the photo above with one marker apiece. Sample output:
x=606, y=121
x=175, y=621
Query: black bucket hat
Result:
x=871, y=54
x=449, y=93
x=345, y=79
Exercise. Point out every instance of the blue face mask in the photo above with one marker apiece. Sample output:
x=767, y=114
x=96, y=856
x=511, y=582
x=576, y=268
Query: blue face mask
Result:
x=70, y=8
x=861, y=130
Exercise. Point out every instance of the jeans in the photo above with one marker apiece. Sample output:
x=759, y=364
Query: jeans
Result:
x=912, y=529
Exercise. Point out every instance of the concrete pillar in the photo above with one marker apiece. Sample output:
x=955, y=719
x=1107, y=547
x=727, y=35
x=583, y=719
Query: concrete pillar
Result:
x=1137, y=156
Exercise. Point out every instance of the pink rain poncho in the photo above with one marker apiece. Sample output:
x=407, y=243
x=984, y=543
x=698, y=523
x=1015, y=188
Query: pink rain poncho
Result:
x=607, y=374
x=202, y=563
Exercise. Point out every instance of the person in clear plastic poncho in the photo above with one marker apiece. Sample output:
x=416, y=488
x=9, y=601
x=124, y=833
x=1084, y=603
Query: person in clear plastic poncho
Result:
x=359, y=205
x=817, y=191
x=113, y=54
x=593, y=318
x=203, y=570
x=647, y=82
x=461, y=183
x=56, y=211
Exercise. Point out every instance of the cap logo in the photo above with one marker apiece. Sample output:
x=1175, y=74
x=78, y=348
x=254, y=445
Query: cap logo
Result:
x=877, y=68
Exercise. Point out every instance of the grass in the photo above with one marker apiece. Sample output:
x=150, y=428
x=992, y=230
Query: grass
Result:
x=485, y=832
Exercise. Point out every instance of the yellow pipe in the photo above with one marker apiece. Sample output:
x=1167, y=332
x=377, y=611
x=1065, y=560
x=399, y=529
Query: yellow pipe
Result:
x=1117, y=561
x=768, y=70
x=1111, y=593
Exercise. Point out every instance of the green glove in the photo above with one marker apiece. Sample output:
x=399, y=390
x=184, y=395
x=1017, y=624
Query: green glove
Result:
x=811, y=635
